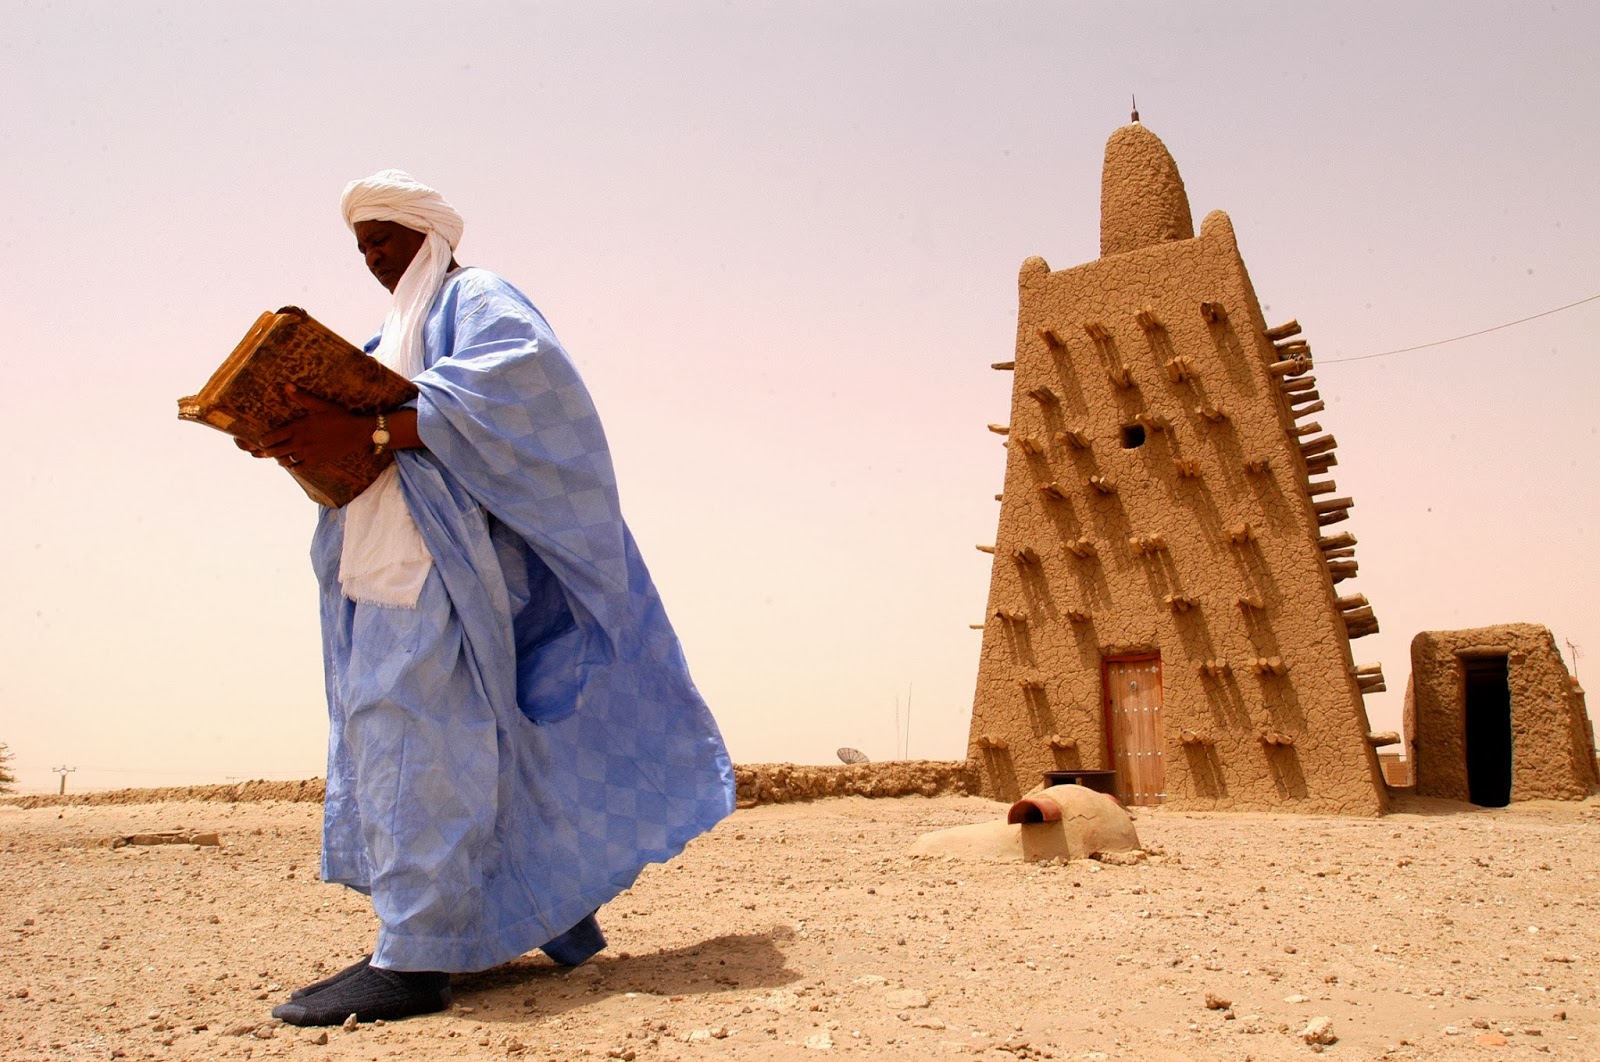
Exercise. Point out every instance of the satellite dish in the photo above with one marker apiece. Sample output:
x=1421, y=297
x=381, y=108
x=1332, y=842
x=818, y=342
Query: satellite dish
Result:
x=848, y=755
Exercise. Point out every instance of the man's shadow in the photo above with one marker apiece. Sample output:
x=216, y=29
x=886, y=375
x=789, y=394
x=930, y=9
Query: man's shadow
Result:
x=736, y=960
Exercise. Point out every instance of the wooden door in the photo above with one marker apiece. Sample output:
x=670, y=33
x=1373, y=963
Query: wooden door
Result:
x=1133, y=727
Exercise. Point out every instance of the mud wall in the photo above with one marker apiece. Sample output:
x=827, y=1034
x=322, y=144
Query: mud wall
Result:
x=760, y=783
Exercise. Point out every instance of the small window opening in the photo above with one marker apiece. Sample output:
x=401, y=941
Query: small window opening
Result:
x=1132, y=436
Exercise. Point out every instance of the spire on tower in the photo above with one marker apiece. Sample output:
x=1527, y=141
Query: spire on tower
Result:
x=1135, y=110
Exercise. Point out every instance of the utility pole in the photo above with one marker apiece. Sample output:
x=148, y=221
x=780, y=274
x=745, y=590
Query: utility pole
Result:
x=63, y=771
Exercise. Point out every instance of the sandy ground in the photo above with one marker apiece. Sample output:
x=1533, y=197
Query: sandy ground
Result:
x=799, y=930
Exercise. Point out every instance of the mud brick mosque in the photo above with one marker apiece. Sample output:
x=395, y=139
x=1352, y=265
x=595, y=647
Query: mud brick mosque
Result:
x=1167, y=617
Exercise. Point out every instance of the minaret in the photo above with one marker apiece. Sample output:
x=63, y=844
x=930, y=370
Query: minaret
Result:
x=1142, y=200
x=1162, y=606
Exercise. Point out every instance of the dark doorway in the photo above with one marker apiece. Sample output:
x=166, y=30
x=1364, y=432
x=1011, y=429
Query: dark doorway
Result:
x=1488, y=712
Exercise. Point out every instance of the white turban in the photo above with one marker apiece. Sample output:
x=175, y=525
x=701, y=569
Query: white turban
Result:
x=384, y=560
x=394, y=195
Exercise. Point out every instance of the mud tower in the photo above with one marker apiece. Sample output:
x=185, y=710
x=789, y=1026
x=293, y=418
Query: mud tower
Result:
x=1162, y=603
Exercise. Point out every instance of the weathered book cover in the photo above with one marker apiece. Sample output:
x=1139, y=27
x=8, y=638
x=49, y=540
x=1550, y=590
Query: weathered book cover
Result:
x=245, y=397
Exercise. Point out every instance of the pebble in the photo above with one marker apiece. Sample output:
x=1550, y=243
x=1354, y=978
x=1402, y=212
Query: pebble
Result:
x=820, y=1042
x=906, y=999
x=1215, y=1002
x=1319, y=1030
x=1490, y=1039
x=350, y=1024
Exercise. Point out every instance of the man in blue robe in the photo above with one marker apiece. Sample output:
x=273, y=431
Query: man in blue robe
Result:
x=513, y=734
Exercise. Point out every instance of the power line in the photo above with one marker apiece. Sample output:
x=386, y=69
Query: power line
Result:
x=1457, y=339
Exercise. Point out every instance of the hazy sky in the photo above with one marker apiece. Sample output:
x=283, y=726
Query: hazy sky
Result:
x=781, y=240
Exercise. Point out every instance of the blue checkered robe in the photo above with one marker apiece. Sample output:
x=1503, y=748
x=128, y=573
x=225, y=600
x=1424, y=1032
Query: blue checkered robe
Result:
x=509, y=755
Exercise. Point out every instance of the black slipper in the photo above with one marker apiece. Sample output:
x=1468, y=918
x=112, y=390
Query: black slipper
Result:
x=317, y=986
x=577, y=945
x=370, y=994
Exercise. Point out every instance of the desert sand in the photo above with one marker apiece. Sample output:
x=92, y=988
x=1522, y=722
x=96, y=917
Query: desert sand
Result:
x=799, y=930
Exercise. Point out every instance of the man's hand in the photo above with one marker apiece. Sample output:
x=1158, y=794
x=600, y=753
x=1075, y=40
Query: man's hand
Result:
x=326, y=433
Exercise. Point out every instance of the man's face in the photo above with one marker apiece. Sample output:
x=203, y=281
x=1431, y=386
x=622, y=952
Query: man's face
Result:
x=388, y=247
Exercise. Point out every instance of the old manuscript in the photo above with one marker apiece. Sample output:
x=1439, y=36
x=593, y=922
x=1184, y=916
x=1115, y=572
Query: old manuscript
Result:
x=246, y=396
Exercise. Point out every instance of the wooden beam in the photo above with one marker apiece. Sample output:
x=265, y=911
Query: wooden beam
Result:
x=1079, y=547
x=1321, y=462
x=1142, y=544
x=1153, y=421
x=1320, y=445
x=1284, y=331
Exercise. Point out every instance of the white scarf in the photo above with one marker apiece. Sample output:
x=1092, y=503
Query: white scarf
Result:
x=384, y=561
